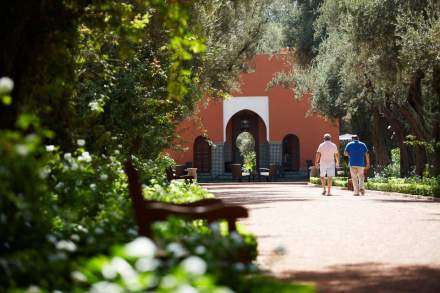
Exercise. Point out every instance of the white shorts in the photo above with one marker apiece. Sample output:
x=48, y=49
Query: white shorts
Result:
x=327, y=170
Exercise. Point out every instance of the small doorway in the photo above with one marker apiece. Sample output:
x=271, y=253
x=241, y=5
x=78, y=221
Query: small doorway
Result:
x=290, y=155
x=202, y=155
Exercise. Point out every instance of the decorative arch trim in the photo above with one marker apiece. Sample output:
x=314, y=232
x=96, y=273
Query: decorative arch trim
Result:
x=258, y=104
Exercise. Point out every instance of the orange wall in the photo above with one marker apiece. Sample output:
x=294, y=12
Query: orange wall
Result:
x=206, y=120
x=286, y=115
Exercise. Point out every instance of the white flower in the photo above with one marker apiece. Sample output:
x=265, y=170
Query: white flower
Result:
x=215, y=228
x=81, y=142
x=59, y=185
x=78, y=276
x=103, y=177
x=140, y=247
x=51, y=238
x=22, y=150
x=239, y=266
x=6, y=85
x=74, y=166
x=117, y=152
x=132, y=232
x=176, y=249
x=169, y=282
x=93, y=186
x=67, y=156
x=186, y=289
x=85, y=157
x=75, y=237
x=146, y=264
x=50, y=148
x=44, y=172
x=194, y=265
x=66, y=245
x=109, y=272
x=105, y=287
x=99, y=231
x=82, y=229
x=94, y=106
x=126, y=271
x=200, y=249
x=33, y=288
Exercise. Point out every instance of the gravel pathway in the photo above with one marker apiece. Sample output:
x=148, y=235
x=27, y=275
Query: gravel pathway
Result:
x=373, y=243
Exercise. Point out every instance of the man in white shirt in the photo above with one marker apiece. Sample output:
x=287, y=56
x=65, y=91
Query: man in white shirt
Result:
x=327, y=158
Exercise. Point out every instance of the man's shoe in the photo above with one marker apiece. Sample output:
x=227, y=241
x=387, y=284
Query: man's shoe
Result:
x=356, y=194
x=362, y=191
x=323, y=193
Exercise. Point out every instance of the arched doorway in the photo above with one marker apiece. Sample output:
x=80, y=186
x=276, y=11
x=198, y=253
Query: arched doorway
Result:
x=202, y=155
x=243, y=121
x=290, y=155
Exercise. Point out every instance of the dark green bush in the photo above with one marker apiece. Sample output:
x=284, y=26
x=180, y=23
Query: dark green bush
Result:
x=412, y=185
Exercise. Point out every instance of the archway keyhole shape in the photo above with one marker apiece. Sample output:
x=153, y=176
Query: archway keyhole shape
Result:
x=245, y=143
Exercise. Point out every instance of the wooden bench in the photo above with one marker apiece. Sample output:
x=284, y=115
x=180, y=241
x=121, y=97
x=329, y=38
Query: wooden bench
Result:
x=147, y=212
x=171, y=175
x=268, y=173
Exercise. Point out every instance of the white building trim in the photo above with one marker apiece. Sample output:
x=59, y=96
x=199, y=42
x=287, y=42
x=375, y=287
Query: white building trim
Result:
x=259, y=105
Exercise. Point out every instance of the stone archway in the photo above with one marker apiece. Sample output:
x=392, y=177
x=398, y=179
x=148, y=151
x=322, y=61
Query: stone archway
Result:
x=290, y=153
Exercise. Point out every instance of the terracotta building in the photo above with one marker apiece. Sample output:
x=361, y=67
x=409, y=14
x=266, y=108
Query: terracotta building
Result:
x=285, y=132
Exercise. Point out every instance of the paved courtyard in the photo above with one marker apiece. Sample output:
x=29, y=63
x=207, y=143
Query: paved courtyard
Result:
x=374, y=243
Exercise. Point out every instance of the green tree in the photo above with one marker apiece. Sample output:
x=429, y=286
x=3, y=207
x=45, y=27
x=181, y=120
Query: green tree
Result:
x=376, y=68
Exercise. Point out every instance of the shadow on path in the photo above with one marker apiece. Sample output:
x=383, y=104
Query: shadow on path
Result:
x=371, y=277
x=262, y=199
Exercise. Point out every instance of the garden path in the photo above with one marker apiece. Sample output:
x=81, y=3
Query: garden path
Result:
x=379, y=242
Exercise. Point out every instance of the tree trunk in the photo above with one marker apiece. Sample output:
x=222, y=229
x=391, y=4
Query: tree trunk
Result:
x=379, y=135
x=436, y=122
x=399, y=134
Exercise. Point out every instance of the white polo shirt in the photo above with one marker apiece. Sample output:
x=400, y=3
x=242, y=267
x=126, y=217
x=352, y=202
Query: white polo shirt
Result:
x=328, y=151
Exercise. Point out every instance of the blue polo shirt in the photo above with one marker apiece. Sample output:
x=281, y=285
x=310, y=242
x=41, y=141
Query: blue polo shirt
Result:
x=356, y=153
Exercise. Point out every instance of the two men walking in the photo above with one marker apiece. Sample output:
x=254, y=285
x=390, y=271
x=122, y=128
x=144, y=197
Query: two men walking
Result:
x=327, y=158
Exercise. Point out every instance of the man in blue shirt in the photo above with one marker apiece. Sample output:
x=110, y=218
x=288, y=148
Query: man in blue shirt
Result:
x=357, y=153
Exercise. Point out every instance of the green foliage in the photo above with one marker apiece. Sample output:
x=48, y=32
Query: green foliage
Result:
x=266, y=284
x=249, y=161
x=25, y=201
x=176, y=192
x=232, y=31
x=411, y=185
x=414, y=185
x=375, y=68
x=246, y=146
x=137, y=267
x=228, y=255
x=393, y=169
x=336, y=181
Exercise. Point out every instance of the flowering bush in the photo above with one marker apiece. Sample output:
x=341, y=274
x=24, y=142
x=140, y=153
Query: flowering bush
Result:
x=177, y=191
x=142, y=266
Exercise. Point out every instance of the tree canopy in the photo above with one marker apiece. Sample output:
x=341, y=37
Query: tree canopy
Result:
x=376, y=67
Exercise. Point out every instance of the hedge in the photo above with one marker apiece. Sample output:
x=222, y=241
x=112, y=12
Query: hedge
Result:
x=392, y=185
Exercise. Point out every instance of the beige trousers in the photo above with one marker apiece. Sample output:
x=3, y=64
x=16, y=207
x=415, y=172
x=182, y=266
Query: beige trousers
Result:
x=357, y=176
